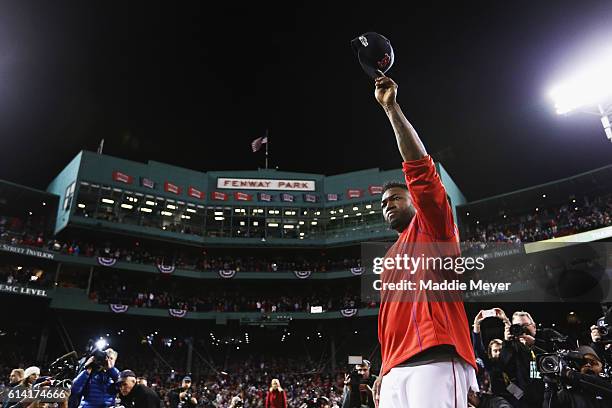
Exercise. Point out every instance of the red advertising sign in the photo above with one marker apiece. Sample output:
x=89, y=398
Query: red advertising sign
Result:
x=354, y=193
x=172, y=188
x=375, y=190
x=217, y=195
x=194, y=192
x=122, y=177
x=239, y=196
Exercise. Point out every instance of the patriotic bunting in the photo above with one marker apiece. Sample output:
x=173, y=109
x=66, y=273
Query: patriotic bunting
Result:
x=227, y=273
x=118, y=308
x=302, y=274
x=104, y=261
x=177, y=313
x=166, y=269
x=348, y=312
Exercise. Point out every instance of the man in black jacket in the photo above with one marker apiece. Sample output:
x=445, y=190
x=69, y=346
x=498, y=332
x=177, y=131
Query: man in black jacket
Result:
x=183, y=397
x=518, y=355
x=579, y=395
x=134, y=395
x=357, y=391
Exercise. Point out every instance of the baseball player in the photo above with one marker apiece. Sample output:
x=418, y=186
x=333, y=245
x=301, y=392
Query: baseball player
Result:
x=427, y=355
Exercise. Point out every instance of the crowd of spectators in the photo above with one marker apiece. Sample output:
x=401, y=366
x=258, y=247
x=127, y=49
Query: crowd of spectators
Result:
x=503, y=355
x=183, y=258
x=24, y=276
x=545, y=223
x=198, y=299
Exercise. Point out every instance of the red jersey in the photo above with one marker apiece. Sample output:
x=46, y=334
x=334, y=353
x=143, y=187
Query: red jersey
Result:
x=407, y=328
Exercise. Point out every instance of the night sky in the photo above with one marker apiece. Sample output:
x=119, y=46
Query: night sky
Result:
x=192, y=83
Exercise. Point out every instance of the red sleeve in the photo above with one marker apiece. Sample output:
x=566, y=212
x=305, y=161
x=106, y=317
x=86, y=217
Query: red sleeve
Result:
x=267, y=399
x=429, y=198
x=284, y=399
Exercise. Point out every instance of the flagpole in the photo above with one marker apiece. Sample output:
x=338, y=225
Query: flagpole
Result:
x=267, y=143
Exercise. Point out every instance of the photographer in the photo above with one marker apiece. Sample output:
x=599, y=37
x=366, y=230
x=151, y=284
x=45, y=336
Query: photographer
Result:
x=491, y=358
x=358, y=387
x=183, y=397
x=578, y=395
x=133, y=395
x=518, y=356
x=601, y=347
x=96, y=383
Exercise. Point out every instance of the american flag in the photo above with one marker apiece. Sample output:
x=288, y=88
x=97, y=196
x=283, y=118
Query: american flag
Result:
x=287, y=197
x=265, y=197
x=310, y=198
x=256, y=144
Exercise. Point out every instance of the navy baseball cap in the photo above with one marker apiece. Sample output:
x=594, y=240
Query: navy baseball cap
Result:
x=374, y=52
x=125, y=374
x=187, y=378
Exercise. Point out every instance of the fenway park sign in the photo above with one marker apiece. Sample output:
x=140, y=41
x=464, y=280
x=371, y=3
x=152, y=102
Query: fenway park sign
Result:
x=265, y=184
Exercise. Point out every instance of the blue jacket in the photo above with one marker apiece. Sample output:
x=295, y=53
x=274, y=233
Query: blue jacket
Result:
x=97, y=389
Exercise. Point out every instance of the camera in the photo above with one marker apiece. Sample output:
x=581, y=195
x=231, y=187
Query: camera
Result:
x=356, y=378
x=604, y=330
x=64, y=367
x=517, y=330
x=97, y=350
x=187, y=396
x=558, y=363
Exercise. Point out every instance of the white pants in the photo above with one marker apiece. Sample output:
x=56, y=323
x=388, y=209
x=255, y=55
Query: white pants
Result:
x=436, y=385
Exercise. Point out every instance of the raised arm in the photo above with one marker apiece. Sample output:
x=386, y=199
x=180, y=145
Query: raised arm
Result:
x=410, y=146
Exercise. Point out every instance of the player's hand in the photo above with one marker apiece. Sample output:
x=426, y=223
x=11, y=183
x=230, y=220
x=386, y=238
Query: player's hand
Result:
x=386, y=91
x=376, y=391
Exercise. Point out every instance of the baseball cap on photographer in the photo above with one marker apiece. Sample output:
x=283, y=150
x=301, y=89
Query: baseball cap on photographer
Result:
x=187, y=378
x=584, y=350
x=125, y=374
x=374, y=52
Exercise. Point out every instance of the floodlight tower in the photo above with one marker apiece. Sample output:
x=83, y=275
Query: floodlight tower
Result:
x=589, y=91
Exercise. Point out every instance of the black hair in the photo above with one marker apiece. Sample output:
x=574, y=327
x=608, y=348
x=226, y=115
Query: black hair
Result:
x=394, y=184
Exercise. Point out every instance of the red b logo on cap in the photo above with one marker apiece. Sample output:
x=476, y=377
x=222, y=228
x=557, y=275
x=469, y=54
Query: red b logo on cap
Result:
x=384, y=62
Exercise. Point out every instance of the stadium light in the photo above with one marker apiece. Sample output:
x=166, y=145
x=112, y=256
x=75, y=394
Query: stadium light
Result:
x=101, y=343
x=588, y=90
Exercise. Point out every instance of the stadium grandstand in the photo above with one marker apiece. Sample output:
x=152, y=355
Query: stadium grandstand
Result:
x=236, y=278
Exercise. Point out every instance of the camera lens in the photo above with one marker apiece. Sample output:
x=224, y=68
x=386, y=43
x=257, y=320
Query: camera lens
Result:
x=549, y=364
